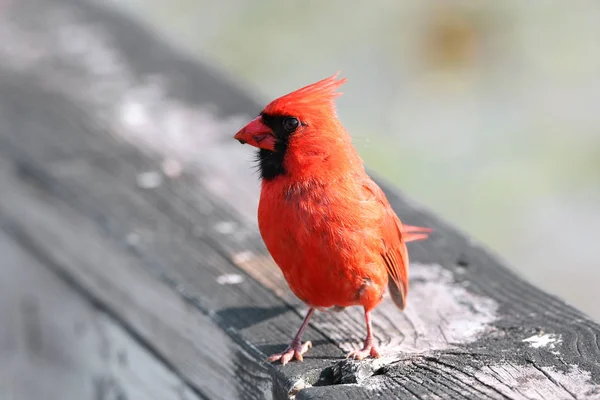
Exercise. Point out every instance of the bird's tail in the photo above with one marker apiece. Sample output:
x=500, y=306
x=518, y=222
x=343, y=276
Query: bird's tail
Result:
x=412, y=233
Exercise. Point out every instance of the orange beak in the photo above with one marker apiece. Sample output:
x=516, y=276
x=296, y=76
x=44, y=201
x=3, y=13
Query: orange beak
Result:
x=257, y=134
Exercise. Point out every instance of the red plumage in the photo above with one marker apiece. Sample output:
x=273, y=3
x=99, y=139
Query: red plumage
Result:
x=327, y=225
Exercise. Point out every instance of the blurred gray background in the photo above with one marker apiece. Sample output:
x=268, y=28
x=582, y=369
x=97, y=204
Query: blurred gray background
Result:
x=486, y=112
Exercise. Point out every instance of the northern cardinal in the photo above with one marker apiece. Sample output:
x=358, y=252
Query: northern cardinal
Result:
x=327, y=225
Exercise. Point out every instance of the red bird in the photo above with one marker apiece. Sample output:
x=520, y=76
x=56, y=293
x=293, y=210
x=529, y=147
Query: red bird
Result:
x=327, y=225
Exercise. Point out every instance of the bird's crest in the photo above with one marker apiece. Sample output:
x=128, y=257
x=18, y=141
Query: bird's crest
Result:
x=318, y=96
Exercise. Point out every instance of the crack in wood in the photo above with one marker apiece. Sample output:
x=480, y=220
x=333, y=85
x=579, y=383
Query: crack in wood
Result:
x=551, y=379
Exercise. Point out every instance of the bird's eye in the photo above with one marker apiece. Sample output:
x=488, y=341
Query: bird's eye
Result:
x=290, y=124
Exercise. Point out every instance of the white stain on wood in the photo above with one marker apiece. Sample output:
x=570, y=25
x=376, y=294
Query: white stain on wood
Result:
x=225, y=227
x=149, y=180
x=134, y=114
x=532, y=382
x=133, y=239
x=440, y=314
x=230, y=279
x=437, y=301
x=548, y=340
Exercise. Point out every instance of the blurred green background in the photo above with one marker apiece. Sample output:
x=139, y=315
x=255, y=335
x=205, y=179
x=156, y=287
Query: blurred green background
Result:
x=486, y=112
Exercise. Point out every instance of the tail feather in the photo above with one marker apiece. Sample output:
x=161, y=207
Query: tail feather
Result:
x=412, y=233
x=413, y=237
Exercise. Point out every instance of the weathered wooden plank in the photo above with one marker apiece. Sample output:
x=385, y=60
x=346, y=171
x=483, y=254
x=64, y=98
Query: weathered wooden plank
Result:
x=472, y=326
x=57, y=345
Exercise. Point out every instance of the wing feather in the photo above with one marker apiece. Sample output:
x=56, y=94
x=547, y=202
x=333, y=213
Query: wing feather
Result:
x=394, y=251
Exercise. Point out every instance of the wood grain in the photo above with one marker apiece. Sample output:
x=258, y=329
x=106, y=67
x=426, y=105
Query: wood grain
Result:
x=176, y=262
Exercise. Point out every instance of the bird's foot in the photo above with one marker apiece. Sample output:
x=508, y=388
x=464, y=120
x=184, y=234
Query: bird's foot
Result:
x=368, y=350
x=294, y=350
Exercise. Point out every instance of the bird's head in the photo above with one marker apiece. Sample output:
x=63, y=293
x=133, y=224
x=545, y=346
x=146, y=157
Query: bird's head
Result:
x=302, y=122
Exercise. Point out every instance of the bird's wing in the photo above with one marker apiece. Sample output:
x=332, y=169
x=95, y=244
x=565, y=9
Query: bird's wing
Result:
x=394, y=253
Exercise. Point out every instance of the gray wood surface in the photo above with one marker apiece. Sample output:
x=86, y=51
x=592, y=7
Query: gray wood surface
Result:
x=58, y=345
x=94, y=112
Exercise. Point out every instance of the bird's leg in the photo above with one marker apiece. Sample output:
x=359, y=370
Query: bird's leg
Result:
x=296, y=349
x=369, y=348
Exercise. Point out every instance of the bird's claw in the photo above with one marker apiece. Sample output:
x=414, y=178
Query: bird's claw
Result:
x=368, y=350
x=294, y=350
